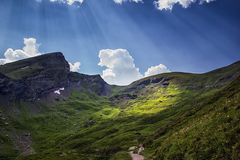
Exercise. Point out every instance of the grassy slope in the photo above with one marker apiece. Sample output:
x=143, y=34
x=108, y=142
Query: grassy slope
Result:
x=189, y=119
x=208, y=127
x=7, y=150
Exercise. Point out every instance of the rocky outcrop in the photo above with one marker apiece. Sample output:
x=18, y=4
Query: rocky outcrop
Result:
x=37, y=77
x=40, y=65
x=140, y=84
x=92, y=83
x=11, y=89
x=6, y=85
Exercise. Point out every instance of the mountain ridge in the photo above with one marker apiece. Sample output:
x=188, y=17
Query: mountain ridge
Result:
x=173, y=115
x=42, y=75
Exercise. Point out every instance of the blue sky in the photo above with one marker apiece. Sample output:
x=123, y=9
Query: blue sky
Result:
x=198, y=38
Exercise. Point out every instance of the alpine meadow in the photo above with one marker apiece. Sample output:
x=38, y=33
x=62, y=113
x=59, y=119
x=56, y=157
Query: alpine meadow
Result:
x=119, y=80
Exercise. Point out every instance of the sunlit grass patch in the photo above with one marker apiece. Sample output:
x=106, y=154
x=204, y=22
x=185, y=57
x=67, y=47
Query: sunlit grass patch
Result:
x=156, y=101
x=107, y=113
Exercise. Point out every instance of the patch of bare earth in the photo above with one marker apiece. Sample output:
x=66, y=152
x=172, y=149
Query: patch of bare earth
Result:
x=136, y=156
x=23, y=143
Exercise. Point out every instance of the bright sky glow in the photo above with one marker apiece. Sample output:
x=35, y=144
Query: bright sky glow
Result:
x=123, y=40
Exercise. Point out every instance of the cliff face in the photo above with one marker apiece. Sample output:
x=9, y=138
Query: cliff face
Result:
x=37, y=77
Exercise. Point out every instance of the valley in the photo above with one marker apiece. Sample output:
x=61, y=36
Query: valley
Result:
x=173, y=115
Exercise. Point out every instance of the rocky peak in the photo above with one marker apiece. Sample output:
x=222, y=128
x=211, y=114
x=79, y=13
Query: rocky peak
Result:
x=37, y=77
x=32, y=66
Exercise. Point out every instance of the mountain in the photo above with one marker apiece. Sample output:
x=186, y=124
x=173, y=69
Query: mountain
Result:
x=36, y=78
x=48, y=112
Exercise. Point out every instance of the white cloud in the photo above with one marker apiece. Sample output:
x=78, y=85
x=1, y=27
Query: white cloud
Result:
x=161, y=68
x=121, y=1
x=160, y=4
x=206, y=1
x=69, y=2
x=120, y=67
x=168, y=4
x=30, y=49
x=75, y=67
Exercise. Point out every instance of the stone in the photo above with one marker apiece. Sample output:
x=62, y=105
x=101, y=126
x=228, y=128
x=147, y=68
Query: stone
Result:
x=42, y=75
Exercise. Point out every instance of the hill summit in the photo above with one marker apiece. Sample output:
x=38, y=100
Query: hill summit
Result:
x=34, y=78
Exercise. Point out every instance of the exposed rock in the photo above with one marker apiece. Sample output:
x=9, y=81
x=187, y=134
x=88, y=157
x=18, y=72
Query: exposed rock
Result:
x=93, y=83
x=37, y=77
x=135, y=90
x=89, y=123
x=132, y=148
x=164, y=83
x=41, y=74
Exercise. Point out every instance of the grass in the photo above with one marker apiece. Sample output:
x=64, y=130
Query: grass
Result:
x=155, y=101
x=188, y=119
x=211, y=133
x=7, y=150
x=170, y=129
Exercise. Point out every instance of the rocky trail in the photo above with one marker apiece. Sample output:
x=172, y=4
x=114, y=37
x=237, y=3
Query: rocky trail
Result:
x=136, y=156
x=135, y=152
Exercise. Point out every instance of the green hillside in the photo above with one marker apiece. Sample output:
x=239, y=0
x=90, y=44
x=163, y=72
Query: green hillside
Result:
x=175, y=115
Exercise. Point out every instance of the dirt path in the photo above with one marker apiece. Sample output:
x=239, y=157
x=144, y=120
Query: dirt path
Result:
x=135, y=152
x=136, y=156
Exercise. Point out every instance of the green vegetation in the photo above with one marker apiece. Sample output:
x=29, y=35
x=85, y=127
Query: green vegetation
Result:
x=193, y=117
x=7, y=150
x=156, y=100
